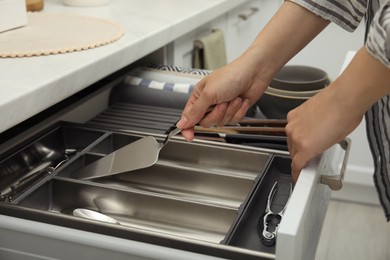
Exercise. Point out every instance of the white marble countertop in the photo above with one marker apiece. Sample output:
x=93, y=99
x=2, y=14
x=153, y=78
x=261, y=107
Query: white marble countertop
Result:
x=30, y=85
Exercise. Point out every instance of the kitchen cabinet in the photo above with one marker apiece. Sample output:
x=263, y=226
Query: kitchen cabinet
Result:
x=37, y=215
x=245, y=22
x=240, y=26
x=76, y=87
x=180, y=52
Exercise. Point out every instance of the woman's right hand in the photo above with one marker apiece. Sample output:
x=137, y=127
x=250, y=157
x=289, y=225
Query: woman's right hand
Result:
x=230, y=90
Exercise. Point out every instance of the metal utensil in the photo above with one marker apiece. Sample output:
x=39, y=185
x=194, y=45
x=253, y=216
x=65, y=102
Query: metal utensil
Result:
x=94, y=215
x=137, y=155
x=271, y=220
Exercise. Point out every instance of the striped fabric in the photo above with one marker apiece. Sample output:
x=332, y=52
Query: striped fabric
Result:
x=378, y=117
x=378, y=127
x=168, y=86
x=173, y=68
x=348, y=14
x=377, y=37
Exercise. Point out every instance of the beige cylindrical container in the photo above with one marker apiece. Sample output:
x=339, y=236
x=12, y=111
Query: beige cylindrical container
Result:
x=34, y=5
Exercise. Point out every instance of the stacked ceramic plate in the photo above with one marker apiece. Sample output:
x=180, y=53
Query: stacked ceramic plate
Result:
x=293, y=85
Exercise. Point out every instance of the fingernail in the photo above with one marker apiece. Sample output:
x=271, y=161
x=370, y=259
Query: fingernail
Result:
x=182, y=122
x=246, y=103
x=238, y=102
x=222, y=107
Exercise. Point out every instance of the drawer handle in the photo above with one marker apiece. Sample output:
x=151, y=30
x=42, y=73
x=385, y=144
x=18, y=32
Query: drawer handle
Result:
x=245, y=17
x=335, y=181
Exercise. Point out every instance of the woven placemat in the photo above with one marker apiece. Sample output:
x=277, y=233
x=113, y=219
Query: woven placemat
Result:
x=54, y=33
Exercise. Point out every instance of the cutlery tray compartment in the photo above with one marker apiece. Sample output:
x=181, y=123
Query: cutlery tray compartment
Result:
x=51, y=148
x=138, y=210
x=246, y=233
x=200, y=196
x=200, y=155
x=188, y=183
x=196, y=171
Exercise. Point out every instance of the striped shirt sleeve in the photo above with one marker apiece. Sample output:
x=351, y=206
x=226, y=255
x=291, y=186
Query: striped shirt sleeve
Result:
x=345, y=13
x=378, y=40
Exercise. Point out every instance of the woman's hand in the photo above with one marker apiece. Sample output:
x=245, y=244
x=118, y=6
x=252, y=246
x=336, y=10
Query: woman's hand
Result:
x=316, y=125
x=230, y=90
x=234, y=88
x=336, y=111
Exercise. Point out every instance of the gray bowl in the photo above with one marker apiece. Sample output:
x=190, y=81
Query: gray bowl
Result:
x=300, y=78
x=275, y=106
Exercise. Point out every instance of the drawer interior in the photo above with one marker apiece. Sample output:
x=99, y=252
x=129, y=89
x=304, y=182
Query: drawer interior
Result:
x=198, y=195
x=137, y=210
x=246, y=233
x=229, y=160
x=49, y=149
x=185, y=182
x=199, y=172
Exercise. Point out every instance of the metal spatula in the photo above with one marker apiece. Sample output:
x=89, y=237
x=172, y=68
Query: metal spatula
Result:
x=137, y=155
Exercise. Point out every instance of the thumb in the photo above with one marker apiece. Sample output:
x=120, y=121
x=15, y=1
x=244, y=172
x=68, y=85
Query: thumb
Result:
x=193, y=113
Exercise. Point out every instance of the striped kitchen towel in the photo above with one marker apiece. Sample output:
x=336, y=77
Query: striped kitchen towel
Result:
x=172, y=68
x=167, y=86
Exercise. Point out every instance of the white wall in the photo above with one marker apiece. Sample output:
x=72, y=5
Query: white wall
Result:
x=329, y=49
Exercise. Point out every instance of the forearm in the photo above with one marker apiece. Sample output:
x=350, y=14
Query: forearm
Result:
x=362, y=83
x=290, y=30
x=340, y=108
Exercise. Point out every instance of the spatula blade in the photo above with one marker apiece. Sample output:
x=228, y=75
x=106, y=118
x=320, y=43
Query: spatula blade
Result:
x=136, y=155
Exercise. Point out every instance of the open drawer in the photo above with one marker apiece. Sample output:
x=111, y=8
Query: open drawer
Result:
x=202, y=200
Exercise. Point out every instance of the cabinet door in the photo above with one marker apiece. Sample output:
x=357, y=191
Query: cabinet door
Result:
x=241, y=26
x=245, y=22
x=180, y=52
x=304, y=217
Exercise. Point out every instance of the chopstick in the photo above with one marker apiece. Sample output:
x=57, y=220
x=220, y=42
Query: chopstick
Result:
x=222, y=130
x=243, y=129
x=263, y=122
x=248, y=125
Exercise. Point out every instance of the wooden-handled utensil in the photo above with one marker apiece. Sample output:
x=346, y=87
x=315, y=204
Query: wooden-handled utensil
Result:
x=253, y=126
